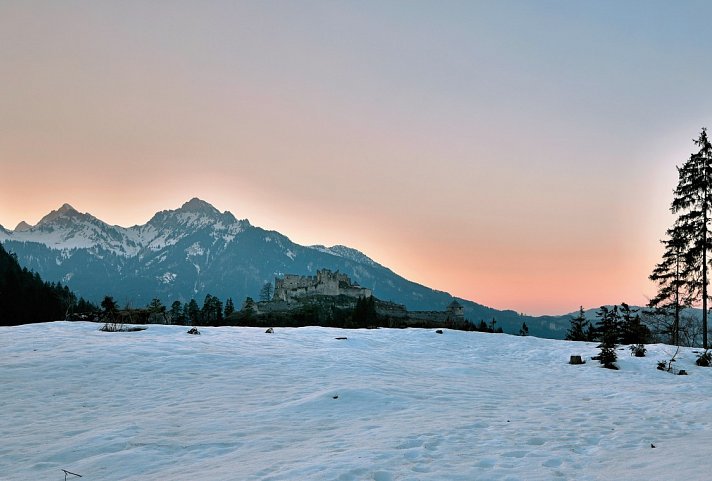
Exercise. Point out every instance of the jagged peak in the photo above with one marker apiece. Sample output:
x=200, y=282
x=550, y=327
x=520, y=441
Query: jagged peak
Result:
x=64, y=211
x=23, y=226
x=197, y=205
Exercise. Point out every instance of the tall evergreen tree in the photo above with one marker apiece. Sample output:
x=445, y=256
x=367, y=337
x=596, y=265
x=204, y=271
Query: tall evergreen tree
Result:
x=608, y=328
x=693, y=206
x=176, y=313
x=631, y=329
x=156, y=312
x=192, y=312
x=580, y=328
x=266, y=292
x=212, y=311
x=109, y=308
x=670, y=275
x=156, y=306
x=229, y=306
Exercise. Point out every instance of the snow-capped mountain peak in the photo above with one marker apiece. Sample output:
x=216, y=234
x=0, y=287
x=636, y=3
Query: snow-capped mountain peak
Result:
x=198, y=206
x=22, y=227
x=65, y=211
x=194, y=250
x=67, y=228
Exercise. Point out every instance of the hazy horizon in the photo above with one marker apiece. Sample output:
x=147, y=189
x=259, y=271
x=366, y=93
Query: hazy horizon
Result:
x=518, y=154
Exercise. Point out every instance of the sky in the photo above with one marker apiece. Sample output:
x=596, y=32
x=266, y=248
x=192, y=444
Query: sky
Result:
x=521, y=154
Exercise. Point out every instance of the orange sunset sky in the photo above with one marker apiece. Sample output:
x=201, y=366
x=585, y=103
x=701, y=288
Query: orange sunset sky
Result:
x=520, y=154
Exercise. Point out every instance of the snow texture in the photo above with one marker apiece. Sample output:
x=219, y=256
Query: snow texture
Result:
x=239, y=404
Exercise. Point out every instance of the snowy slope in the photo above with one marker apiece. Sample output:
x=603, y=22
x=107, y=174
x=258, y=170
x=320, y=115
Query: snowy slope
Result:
x=239, y=404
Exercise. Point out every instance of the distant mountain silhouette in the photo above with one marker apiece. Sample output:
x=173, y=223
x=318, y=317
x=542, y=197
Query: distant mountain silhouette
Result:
x=197, y=250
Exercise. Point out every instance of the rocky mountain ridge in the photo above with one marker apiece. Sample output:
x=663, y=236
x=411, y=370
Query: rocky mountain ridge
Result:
x=197, y=250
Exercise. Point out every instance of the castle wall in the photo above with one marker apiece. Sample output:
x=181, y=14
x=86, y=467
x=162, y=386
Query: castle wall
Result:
x=325, y=283
x=428, y=316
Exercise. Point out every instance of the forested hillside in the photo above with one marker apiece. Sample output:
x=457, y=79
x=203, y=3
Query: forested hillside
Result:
x=25, y=298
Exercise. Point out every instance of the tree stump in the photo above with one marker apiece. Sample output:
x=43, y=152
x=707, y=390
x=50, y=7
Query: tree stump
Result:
x=576, y=360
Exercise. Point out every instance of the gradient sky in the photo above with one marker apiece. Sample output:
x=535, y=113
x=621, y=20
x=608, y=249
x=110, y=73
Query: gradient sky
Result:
x=517, y=153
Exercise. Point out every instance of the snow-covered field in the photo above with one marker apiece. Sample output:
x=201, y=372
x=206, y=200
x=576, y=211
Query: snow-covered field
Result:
x=239, y=404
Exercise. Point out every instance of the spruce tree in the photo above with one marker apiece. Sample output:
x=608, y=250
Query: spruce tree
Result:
x=580, y=327
x=192, y=312
x=176, y=313
x=608, y=326
x=670, y=275
x=692, y=204
x=229, y=307
x=266, y=292
x=524, y=330
x=109, y=307
x=632, y=330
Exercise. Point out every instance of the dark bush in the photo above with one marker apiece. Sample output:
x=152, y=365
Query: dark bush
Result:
x=638, y=350
x=704, y=359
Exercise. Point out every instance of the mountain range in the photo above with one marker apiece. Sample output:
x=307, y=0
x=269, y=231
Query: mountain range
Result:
x=196, y=250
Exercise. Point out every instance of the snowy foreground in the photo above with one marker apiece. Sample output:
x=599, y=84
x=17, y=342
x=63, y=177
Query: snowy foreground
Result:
x=239, y=404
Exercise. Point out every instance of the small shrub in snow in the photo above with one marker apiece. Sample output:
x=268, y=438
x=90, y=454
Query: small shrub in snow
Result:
x=667, y=365
x=638, y=350
x=194, y=331
x=704, y=359
x=608, y=357
x=607, y=327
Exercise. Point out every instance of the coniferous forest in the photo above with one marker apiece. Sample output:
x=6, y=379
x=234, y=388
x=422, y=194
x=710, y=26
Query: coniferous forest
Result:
x=26, y=298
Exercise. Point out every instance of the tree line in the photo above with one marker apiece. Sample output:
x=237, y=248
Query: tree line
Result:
x=26, y=298
x=212, y=312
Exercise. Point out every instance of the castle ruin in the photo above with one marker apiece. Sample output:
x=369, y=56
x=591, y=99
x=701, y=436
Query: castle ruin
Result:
x=325, y=283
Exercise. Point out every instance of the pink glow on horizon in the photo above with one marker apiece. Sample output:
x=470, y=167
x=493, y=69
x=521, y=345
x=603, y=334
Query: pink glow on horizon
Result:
x=523, y=158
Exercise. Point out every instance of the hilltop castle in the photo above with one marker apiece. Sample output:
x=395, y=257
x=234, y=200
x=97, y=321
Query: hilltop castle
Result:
x=325, y=283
